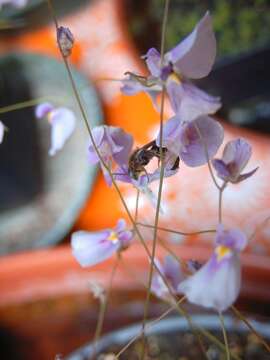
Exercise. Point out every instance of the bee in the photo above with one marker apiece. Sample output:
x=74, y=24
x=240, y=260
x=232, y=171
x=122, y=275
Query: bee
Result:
x=142, y=156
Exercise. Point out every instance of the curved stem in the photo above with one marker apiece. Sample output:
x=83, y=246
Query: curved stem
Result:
x=146, y=308
x=207, y=156
x=228, y=357
x=251, y=328
x=25, y=104
x=221, y=189
x=176, y=231
x=103, y=307
x=148, y=327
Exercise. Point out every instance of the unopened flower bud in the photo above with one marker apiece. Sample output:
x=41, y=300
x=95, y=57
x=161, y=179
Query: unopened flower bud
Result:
x=65, y=40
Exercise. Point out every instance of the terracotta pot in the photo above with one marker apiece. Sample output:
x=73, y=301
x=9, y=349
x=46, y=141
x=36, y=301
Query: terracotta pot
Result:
x=173, y=331
x=47, y=289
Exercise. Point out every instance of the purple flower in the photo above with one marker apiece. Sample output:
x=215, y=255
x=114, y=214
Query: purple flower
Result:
x=90, y=248
x=184, y=140
x=193, y=58
x=62, y=121
x=65, y=40
x=172, y=272
x=217, y=283
x=15, y=3
x=113, y=144
x=235, y=157
x=2, y=132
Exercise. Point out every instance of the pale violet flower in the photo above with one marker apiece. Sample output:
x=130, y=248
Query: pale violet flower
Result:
x=193, y=58
x=15, y=3
x=171, y=270
x=217, y=284
x=114, y=146
x=90, y=248
x=2, y=132
x=183, y=139
x=234, y=159
x=62, y=121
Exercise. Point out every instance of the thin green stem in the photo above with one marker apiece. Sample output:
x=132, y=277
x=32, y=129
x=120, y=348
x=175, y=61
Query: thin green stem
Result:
x=176, y=231
x=148, y=327
x=147, y=302
x=137, y=206
x=207, y=156
x=228, y=357
x=221, y=189
x=251, y=328
x=25, y=104
x=103, y=307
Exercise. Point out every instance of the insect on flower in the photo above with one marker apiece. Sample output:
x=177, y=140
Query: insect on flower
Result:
x=142, y=156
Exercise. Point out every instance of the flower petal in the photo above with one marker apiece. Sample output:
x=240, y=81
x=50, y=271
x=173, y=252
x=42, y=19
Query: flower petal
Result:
x=221, y=169
x=193, y=151
x=189, y=102
x=92, y=248
x=121, y=140
x=232, y=238
x=195, y=55
x=63, y=125
x=2, y=132
x=171, y=135
x=43, y=109
x=239, y=152
x=152, y=59
x=211, y=287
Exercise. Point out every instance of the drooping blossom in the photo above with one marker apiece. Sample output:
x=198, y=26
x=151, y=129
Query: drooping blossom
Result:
x=65, y=40
x=2, y=132
x=184, y=140
x=234, y=159
x=90, y=248
x=217, y=284
x=193, y=58
x=171, y=270
x=114, y=146
x=15, y=3
x=62, y=121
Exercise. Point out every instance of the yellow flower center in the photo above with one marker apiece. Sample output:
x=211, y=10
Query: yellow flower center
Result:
x=113, y=236
x=222, y=251
x=49, y=116
x=175, y=77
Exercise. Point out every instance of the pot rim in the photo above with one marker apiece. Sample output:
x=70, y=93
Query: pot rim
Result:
x=169, y=325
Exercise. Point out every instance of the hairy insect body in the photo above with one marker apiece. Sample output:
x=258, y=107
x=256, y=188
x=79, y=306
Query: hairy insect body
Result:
x=141, y=158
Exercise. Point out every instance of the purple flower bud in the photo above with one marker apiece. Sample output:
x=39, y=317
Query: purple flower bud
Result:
x=65, y=40
x=235, y=157
x=90, y=248
x=217, y=283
